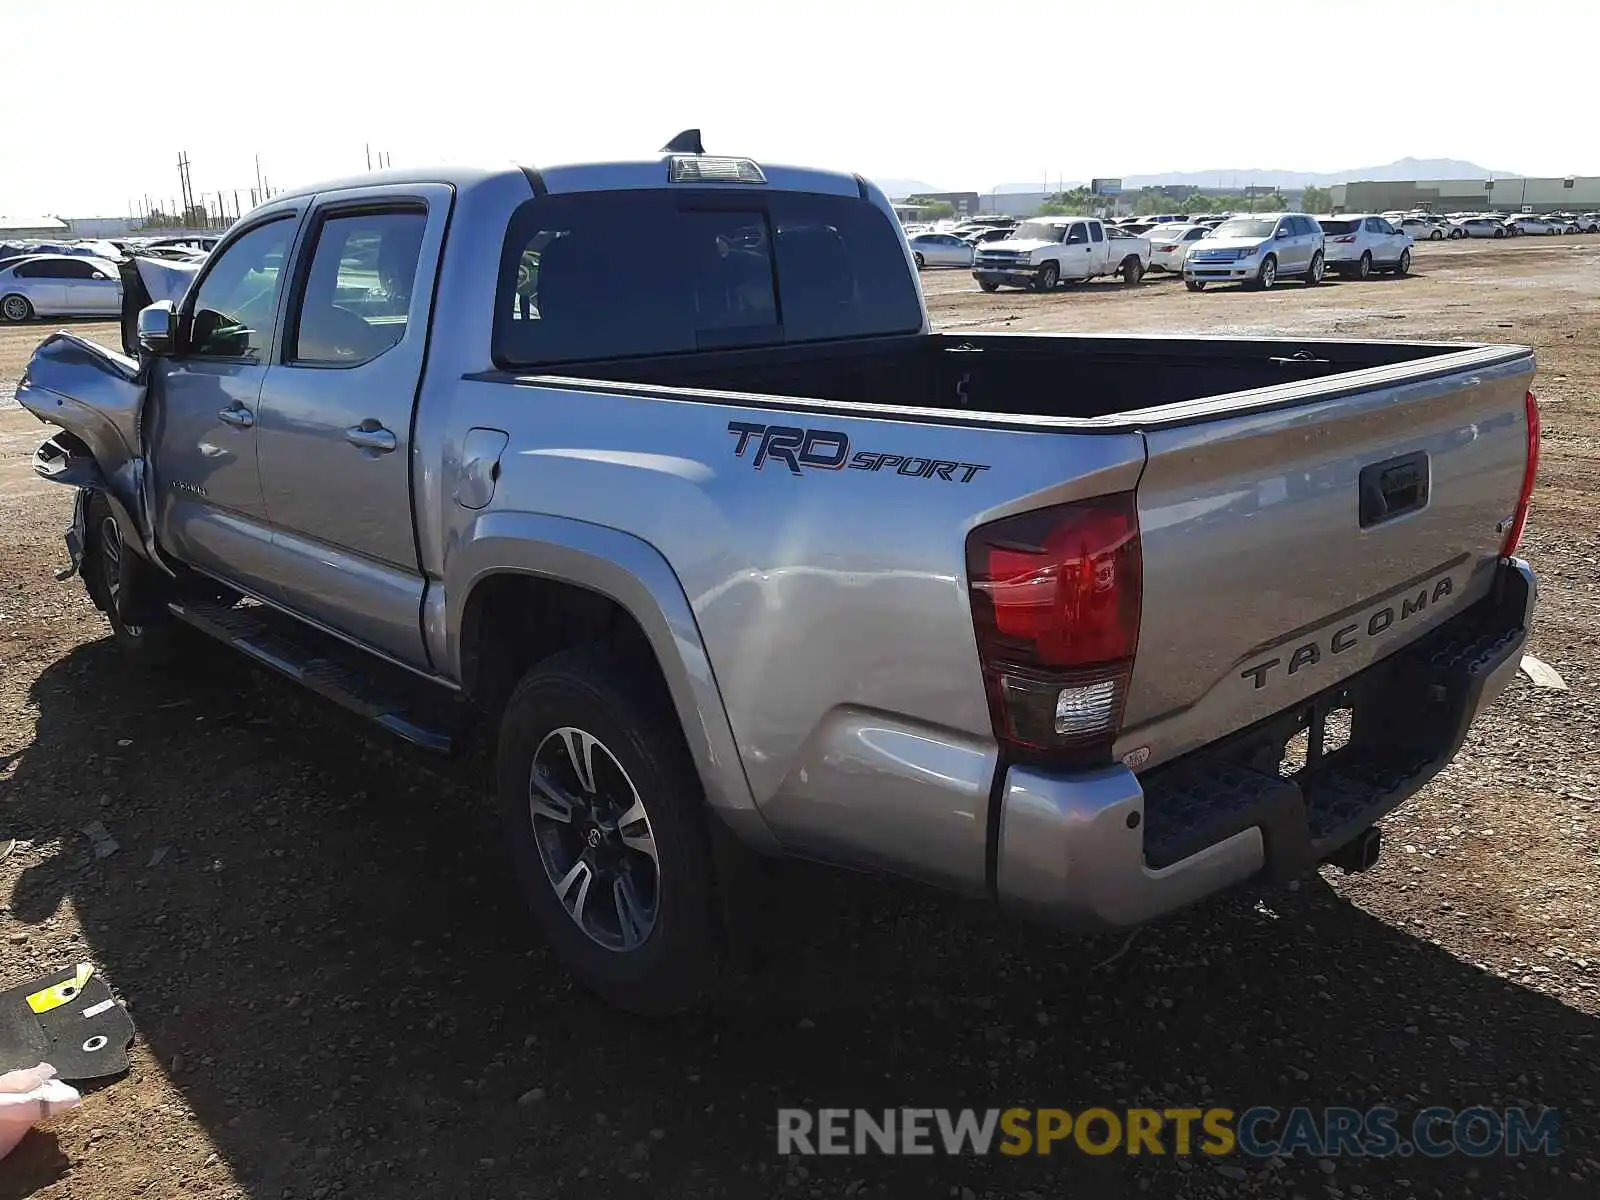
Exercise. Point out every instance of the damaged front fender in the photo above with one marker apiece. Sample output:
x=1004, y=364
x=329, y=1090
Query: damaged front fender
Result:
x=97, y=396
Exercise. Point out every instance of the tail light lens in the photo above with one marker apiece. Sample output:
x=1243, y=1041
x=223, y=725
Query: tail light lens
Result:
x=1349, y=237
x=1166, y=249
x=1519, y=518
x=1056, y=595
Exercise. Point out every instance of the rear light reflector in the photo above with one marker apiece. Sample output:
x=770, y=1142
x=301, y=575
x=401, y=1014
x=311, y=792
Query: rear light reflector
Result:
x=1530, y=469
x=1056, y=595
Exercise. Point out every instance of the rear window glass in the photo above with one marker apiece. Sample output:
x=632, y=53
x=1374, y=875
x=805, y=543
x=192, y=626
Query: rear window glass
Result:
x=1339, y=226
x=626, y=274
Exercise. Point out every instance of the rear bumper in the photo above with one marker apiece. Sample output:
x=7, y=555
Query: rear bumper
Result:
x=1103, y=849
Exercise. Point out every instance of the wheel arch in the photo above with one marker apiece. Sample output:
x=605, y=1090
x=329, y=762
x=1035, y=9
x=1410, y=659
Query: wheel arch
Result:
x=523, y=585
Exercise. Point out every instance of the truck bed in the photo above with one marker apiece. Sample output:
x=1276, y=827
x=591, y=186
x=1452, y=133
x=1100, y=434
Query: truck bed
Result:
x=1086, y=377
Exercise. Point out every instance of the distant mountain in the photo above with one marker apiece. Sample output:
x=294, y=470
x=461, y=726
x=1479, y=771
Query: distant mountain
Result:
x=1228, y=177
x=1400, y=169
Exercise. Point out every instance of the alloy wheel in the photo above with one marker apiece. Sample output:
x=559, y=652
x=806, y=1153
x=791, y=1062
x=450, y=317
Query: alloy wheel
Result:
x=594, y=839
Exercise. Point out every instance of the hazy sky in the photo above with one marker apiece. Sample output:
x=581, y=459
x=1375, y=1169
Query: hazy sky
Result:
x=960, y=94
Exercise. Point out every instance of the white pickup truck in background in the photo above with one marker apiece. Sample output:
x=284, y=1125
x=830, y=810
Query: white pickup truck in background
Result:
x=1044, y=251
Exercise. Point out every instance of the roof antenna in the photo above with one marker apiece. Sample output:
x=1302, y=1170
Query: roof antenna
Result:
x=687, y=142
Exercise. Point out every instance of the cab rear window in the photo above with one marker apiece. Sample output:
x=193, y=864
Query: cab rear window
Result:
x=637, y=273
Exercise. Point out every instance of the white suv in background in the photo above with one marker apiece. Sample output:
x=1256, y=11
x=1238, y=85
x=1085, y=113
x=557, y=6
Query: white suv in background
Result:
x=1357, y=244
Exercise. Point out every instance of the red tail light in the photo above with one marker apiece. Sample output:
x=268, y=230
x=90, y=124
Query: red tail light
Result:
x=1349, y=237
x=1055, y=602
x=1519, y=517
x=1166, y=249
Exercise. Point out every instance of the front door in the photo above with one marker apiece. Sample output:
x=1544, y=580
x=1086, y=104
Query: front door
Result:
x=1078, y=259
x=336, y=409
x=94, y=289
x=203, y=410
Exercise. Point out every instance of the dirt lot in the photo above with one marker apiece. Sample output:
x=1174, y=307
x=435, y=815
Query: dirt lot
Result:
x=337, y=993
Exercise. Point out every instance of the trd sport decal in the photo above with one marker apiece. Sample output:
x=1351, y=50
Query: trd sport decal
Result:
x=829, y=450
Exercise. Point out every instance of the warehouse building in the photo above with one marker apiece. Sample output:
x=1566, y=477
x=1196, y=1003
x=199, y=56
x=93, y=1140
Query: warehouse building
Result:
x=1572, y=193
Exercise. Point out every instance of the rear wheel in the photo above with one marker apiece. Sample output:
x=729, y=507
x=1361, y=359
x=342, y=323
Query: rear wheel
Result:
x=918, y=256
x=1267, y=276
x=604, y=814
x=1436, y=236
x=1403, y=267
x=16, y=309
x=1457, y=234
x=1318, y=269
x=1049, y=275
x=1364, y=267
x=1132, y=271
x=1499, y=233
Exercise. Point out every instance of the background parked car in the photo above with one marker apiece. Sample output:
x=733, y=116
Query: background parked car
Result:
x=1170, y=245
x=1357, y=244
x=1527, y=223
x=59, y=285
x=1420, y=229
x=1258, y=251
x=1477, y=226
x=940, y=250
x=1589, y=222
x=1561, y=223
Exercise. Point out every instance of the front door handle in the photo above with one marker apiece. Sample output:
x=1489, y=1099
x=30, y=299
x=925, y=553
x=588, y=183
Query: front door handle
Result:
x=238, y=416
x=369, y=435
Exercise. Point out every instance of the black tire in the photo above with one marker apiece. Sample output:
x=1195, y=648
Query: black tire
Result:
x=988, y=285
x=1132, y=271
x=16, y=309
x=1364, y=267
x=675, y=964
x=1315, y=272
x=1499, y=233
x=1403, y=265
x=1195, y=285
x=917, y=255
x=1048, y=277
x=1267, y=274
x=1457, y=234
x=131, y=592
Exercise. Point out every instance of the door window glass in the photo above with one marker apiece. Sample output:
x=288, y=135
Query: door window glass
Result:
x=47, y=268
x=1096, y=233
x=234, y=307
x=1077, y=236
x=357, y=295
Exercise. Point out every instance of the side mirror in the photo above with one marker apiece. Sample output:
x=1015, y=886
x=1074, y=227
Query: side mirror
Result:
x=158, y=328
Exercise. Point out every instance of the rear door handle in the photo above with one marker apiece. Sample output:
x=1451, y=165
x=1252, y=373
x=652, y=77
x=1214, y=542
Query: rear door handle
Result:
x=238, y=416
x=369, y=435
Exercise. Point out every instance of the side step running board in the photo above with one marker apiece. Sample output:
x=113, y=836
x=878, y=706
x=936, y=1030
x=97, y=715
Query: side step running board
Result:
x=333, y=670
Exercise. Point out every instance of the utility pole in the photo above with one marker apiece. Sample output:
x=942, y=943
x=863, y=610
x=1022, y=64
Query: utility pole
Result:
x=369, y=156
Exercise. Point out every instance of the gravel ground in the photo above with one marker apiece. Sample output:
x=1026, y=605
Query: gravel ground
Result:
x=338, y=995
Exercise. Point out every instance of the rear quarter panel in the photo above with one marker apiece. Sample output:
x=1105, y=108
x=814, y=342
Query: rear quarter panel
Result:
x=832, y=602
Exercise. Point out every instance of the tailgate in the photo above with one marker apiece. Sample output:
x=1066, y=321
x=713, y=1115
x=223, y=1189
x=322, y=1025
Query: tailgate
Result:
x=1268, y=577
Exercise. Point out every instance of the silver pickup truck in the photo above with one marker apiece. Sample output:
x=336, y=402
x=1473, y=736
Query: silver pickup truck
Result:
x=655, y=471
